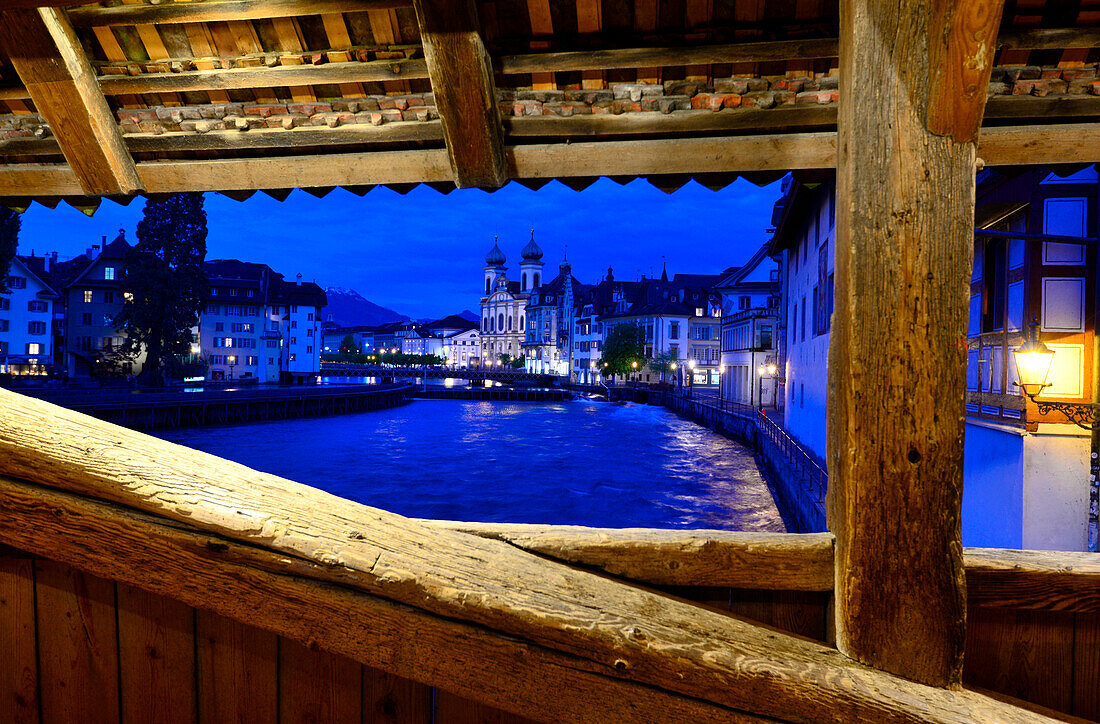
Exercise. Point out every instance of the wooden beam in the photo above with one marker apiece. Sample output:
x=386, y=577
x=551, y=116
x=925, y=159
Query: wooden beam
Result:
x=45, y=52
x=462, y=81
x=671, y=57
x=897, y=364
x=1049, y=580
x=1049, y=39
x=218, y=10
x=514, y=599
x=773, y=561
x=1003, y=146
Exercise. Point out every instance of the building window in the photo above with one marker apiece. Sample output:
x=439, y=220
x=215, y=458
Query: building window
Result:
x=251, y=360
x=250, y=293
x=87, y=296
x=3, y=325
x=219, y=326
x=803, y=334
x=36, y=327
x=109, y=273
x=5, y=304
x=17, y=282
x=34, y=348
x=37, y=306
x=294, y=324
x=309, y=317
x=766, y=337
x=128, y=296
x=742, y=302
x=109, y=297
x=292, y=356
x=294, y=340
x=309, y=350
x=108, y=321
x=995, y=284
x=674, y=330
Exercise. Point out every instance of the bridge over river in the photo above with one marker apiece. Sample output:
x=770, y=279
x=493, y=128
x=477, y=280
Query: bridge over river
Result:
x=473, y=374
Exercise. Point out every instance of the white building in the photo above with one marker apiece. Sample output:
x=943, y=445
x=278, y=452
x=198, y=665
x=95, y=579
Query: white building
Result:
x=750, y=299
x=462, y=349
x=26, y=322
x=504, y=305
x=1026, y=476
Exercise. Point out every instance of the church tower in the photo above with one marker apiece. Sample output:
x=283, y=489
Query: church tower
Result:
x=494, y=266
x=531, y=266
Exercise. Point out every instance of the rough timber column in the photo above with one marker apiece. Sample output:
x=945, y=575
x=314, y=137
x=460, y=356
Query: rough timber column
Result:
x=914, y=75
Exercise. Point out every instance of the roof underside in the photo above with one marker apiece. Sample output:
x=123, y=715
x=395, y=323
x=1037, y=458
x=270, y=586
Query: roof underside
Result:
x=245, y=95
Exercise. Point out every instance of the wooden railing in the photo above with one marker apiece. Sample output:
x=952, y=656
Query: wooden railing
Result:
x=483, y=613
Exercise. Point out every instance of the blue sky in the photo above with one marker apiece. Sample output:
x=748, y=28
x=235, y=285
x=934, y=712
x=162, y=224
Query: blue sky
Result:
x=422, y=253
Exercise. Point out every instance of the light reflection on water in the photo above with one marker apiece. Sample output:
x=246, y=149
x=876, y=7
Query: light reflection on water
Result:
x=576, y=463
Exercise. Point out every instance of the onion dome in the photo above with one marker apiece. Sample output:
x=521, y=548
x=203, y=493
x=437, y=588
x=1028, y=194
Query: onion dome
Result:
x=495, y=257
x=531, y=252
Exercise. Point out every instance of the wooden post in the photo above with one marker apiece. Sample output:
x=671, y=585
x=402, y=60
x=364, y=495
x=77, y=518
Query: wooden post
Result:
x=48, y=57
x=462, y=81
x=913, y=88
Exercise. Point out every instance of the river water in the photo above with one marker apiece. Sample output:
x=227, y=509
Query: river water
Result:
x=577, y=463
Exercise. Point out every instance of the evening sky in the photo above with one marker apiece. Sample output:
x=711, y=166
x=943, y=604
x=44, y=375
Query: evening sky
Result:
x=422, y=253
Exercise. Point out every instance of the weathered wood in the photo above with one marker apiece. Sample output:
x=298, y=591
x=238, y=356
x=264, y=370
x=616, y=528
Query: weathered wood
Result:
x=462, y=81
x=316, y=686
x=905, y=214
x=156, y=648
x=1086, y=665
x=283, y=594
x=1050, y=38
x=45, y=52
x=617, y=629
x=389, y=699
x=1024, y=654
x=678, y=558
x=1049, y=580
x=19, y=684
x=215, y=10
x=77, y=645
x=237, y=667
x=278, y=76
x=671, y=57
x=453, y=709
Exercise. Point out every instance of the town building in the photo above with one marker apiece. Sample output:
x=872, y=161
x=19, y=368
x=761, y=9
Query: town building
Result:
x=681, y=318
x=750, y=315
x=547, y=346
x=92, y=295
x=504, y=304
x=257, y=326
x=333, y=337
x=591, y=307
x=1026, y=475
x=26, y=320
x=463, y=349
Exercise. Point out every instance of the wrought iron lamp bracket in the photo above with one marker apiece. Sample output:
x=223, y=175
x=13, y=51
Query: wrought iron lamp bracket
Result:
x=1085, y=415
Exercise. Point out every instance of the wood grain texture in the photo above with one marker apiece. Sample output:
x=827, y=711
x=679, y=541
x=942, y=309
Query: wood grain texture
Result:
x=678, y=558
x=1053, y=580
x=610, y=627
x=45, y=52
x=237, y=671
x=78, y=645
x=19, y=671
x=285, y=595
x=1024, y=654
x=905, y=213
x=453, y=709
x=215, y=10
x=465, y=94
x=316, y=686
x=960, y=58
x=390, y=699
x=156, y=644
x=1086, y=666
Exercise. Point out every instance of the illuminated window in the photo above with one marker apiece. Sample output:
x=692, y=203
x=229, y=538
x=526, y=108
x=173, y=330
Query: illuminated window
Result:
x=87, y=296
x=108, y=273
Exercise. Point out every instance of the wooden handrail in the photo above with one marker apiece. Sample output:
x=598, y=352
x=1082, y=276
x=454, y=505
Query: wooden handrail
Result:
x=273, y=527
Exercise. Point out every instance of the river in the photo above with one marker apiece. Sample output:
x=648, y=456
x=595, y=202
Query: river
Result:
x=578, y=463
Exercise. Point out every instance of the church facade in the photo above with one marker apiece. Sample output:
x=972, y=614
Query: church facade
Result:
x=504, y=304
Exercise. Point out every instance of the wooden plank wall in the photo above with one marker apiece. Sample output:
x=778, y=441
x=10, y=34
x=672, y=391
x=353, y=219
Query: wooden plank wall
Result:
x=77, y=648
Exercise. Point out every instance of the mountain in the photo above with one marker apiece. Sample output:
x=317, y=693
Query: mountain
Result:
x=348, y=308
x=467, y=314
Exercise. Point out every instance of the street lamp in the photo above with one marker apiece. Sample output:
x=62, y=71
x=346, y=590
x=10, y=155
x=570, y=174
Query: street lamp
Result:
x=766, y=371
x=691, y=377
x=1033, y=362
x=232, y=363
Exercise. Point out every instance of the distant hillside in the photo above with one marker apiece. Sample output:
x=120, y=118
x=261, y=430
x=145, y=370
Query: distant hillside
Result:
x=348, y=308
x=467, y=314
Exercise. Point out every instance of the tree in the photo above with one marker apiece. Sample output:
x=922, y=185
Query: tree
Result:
x=662, y=363
x=164, y=285
x=624, y=349
x=9, y=240
x=348, y=345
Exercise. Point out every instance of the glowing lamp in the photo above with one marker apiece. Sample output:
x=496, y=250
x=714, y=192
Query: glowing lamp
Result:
x=673, y=365
x=691, y=364
x=634, y=364
x=1033, y=361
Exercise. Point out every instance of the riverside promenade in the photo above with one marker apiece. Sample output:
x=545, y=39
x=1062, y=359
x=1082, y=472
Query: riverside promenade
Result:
x=159, y=410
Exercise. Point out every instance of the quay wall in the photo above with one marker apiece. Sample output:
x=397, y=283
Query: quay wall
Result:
x=493, y=394
x=799, y=480
x=160, y=410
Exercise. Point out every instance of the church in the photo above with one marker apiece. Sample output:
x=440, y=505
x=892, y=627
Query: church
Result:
x=504, y=305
